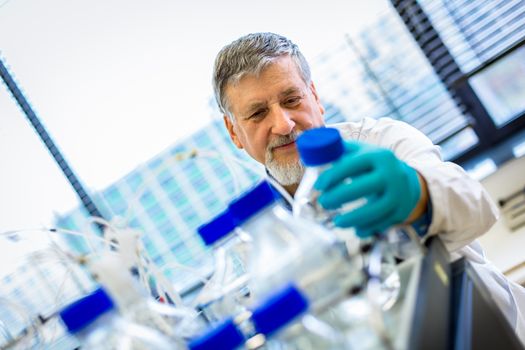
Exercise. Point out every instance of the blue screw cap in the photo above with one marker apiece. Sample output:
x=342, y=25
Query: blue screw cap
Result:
x=279, y=309
x=320, y=146
x=251, y=202
x=85, y=311
x=217, y=228
x=225, y=336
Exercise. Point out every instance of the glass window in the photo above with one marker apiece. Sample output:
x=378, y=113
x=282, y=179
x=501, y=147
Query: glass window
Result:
x=388, y=76
x=190, y=216
x=482, y=169
x=210, y=199
x=477, y=48
x=171, y=236
x=501, y=87
x=159, y=260
x=220, y=169
x=192, y=170
x=203, y=140
x=135, y=223
x=155, y=163
x=168, y=182
x=157, y=215
x=178, y=199
x=134, y=180
x=147, y=199
x=200, y=183
x=150, y=247
x=182, y=254
x=115, y=200
x=463, y=141
x=476, y=31
x=163, y=176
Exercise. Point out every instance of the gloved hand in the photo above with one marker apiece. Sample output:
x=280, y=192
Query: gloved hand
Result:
x=391, y=188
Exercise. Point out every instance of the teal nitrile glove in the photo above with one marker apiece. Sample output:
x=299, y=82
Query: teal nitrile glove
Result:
x=391, y=187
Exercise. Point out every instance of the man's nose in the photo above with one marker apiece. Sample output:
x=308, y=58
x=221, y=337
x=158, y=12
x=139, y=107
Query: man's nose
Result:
x=282, y=123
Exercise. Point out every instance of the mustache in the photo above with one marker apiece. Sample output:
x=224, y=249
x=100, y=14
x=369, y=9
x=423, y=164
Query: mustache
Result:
x=282, y=140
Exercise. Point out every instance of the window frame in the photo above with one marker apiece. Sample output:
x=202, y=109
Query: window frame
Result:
x=427, y=37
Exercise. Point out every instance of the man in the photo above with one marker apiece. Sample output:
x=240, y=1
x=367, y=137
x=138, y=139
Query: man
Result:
x=263, y=86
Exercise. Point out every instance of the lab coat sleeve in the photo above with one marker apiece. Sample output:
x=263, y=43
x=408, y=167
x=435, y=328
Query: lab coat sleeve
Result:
x=461, y=208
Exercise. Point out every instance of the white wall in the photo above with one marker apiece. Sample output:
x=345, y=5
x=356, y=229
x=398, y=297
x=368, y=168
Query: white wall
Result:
x=505, y=248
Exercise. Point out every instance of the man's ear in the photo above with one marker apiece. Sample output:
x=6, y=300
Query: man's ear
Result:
x=229, y=125
x=316, y=96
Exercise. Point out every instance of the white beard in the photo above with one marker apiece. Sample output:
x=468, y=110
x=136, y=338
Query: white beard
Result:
x=285, y=173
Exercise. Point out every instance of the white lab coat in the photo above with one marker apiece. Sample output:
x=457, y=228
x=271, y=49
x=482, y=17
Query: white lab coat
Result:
x=461, y=209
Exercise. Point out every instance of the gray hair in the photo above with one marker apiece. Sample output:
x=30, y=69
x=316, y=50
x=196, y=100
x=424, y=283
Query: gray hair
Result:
x=251, y=54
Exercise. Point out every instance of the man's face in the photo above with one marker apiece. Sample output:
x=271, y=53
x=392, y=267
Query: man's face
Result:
x=270, y=111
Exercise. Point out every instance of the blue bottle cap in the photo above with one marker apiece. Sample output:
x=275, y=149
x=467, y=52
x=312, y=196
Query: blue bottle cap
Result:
x=320, y=146
x=279, y=310
x=225, y=336
x=84, y=311
x=251, y=202
x=217, y=228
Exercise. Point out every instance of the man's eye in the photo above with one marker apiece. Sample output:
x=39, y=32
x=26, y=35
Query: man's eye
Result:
x=257, y=114
x=292, y=101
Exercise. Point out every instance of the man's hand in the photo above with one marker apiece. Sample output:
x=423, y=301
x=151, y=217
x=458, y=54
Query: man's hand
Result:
x=392, y=189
